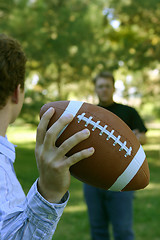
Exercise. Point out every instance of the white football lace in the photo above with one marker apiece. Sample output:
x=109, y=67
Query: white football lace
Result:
x=104, y=130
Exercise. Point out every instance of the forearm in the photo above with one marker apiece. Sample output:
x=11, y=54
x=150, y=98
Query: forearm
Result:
x=25, y=226
x=36, y=219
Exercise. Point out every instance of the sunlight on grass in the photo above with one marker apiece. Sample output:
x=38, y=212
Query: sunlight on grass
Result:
x=153, y=133
x=80, y=208
x=153, y=186
x=22, y=134
x=152, y=147
x=151, y=190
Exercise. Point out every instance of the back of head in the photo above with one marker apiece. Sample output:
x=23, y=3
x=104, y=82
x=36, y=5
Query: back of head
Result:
x=12, y=67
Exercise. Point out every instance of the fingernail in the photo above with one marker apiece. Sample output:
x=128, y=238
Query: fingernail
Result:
x=86, y=131
x=91, y=149
x=68, y=115
x=49, y=109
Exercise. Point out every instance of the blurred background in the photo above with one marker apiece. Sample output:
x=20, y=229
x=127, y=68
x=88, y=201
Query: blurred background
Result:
x=67, y=43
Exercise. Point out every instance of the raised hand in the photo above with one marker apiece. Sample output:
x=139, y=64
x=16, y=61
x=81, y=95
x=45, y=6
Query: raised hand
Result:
x=53, y=165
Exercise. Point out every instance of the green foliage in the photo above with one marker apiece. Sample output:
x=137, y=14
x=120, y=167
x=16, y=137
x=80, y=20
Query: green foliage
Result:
x=70, y=41
x=139, y=32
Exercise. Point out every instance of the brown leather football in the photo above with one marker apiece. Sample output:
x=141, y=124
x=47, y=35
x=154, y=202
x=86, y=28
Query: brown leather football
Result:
x=119, y=162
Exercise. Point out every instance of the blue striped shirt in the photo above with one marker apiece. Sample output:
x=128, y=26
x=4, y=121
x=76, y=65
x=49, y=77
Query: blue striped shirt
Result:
x=24, y=217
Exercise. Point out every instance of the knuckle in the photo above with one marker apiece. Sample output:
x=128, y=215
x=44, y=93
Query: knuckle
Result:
x=39, y=130
x=65, y=119
x=74, y=159
x=64, y=146
x=78, y=156
x=41, y=156
x=82, y=154
x=62, y=120
x=49, y=134
x=58, y=167
x=44, y=116
x=80, y=136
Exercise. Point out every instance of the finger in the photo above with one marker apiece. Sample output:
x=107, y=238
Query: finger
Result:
x=75, y=158
x=71, y=142
x=43, y=124
x=55, y=129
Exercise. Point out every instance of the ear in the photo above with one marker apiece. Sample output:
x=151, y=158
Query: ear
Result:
x=15, y=95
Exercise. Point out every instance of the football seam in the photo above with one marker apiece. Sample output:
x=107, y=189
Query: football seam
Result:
x=103, y=123
x=112, y=128
x=96, y=125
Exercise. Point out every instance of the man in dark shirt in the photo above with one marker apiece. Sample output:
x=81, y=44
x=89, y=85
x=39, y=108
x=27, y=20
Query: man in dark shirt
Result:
x=107, y=207
x=130, y=116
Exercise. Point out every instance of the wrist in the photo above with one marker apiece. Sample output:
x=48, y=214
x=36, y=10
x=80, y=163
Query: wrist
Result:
x=50, y=195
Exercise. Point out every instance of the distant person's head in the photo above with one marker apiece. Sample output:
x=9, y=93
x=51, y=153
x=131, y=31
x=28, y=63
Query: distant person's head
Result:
x=12, y=74
x=104, y=87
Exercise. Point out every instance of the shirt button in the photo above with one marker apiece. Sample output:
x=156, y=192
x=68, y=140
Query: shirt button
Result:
x=50, y=216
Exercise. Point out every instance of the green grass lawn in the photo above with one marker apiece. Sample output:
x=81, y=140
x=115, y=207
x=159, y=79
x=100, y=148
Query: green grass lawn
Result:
x=74, y=222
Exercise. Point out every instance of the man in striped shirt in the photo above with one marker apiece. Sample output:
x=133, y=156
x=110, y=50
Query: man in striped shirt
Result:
x=36, y=215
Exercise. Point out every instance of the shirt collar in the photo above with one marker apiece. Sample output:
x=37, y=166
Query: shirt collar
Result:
x=7, y=148
x=107, y=106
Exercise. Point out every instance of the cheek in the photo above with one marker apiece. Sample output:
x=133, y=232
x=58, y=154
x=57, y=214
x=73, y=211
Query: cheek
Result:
x=106, y=93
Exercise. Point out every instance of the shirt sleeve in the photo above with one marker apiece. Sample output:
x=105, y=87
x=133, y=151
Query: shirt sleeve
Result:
x=136, y=121
x=35, y=219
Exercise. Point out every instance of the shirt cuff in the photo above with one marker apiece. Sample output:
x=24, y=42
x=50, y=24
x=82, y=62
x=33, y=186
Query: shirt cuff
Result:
x=49, y=212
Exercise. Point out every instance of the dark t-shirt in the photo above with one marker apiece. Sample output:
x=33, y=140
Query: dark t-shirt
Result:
x=128, y=114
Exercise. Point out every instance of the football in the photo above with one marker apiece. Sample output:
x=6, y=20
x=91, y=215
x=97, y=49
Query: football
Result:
x=118, y=163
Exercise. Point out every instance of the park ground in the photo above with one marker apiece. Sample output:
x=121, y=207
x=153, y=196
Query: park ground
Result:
x=74, y=222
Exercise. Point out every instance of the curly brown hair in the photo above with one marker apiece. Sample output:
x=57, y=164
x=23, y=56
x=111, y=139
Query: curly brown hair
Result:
x=12, y=67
